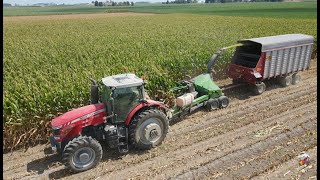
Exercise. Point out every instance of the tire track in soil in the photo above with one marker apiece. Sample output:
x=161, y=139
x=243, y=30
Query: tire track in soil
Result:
x=223, y=166
x=185, y=126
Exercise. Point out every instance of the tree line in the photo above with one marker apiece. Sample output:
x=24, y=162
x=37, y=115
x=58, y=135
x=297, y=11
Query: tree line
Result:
x=224, y=1
x=180, y=2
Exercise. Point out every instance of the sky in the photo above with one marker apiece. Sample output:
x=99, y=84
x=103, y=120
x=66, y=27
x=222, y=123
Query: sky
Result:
x=25, y=2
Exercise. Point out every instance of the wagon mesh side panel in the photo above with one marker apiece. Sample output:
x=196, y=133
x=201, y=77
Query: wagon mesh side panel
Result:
x=302, y=58
x=279, y=62
x=308, y=57
x=285, y=61
x=291, y=59
x=267, y=63
x=273, y=63
x=297, y=58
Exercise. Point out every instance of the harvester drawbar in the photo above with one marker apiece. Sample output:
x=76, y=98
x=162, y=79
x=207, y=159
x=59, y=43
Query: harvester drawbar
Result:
x=127, y=118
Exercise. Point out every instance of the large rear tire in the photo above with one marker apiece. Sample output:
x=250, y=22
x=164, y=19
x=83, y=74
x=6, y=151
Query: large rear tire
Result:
x=82, y=153
x=148, y=129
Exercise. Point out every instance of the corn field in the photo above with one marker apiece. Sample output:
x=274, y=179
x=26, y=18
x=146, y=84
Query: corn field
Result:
x=47, y=63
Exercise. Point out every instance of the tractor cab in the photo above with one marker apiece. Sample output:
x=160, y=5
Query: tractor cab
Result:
x=121, y=94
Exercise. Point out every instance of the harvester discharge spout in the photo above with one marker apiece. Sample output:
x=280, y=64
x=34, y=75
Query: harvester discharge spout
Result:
x=216, y=55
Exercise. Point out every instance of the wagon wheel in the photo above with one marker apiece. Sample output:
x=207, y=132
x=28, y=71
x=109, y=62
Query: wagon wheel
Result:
x=285, y=81
x=213, y=104
x=148, y=129
x=82, y=153
x=223, y=101
x=259, y=88
x=296, y=78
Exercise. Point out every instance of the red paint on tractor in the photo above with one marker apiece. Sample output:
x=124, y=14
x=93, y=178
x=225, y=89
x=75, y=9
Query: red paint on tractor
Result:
x=76, y=113
x=141, y=105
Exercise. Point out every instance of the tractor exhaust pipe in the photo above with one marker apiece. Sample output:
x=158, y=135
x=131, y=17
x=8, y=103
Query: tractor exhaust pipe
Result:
x=94, y=92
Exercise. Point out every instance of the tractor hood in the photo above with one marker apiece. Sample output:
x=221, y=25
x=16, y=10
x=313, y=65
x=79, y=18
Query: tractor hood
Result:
x=76, y=113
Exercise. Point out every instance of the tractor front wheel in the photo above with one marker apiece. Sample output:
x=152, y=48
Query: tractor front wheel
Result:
x=82, y=153
x=148, y=129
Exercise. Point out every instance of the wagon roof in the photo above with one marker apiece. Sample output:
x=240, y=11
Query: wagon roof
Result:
x=122, y=81
x=280, y=41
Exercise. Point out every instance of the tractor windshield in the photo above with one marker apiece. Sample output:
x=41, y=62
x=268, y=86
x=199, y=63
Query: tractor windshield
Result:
x=125, y=99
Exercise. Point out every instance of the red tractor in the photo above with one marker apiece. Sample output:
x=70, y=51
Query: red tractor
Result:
x=125, y=117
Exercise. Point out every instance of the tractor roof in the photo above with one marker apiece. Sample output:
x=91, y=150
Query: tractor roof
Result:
x=122, y=80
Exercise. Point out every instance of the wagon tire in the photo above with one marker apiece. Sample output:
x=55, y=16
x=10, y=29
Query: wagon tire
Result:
x=82, y=153
x=148, y=129
x=259, y=88
x=285, y=81
x=296, y=78
x=223, y=101
x=213, y=104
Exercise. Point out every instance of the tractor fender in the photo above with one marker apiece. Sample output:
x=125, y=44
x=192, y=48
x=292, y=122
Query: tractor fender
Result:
x=150, y=103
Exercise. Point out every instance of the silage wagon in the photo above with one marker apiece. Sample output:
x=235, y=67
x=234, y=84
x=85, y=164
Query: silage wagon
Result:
x=264, y=58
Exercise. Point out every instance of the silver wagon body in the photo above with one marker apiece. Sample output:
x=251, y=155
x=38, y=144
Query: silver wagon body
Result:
x=284, y=54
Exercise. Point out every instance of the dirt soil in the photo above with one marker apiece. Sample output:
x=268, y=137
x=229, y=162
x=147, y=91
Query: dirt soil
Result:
x=256, y=137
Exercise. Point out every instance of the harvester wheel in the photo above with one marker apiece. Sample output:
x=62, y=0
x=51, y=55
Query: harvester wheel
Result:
x=82, y=153
x=148, y=129
x=296, y=78
x=213, y=104
x=260, y=88
x=223, y=101
x=285, y=81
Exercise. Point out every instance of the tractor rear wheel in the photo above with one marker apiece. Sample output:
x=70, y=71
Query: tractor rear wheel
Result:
x=296, y=78
x=223, y=101
x=148, y=129
x=82, y=153
x=259, y=88
x=213, y=104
